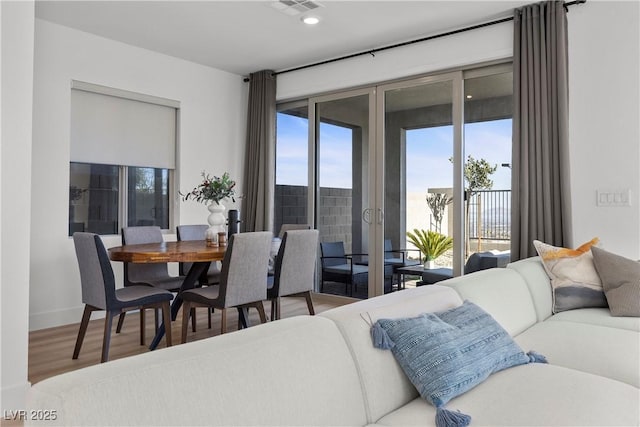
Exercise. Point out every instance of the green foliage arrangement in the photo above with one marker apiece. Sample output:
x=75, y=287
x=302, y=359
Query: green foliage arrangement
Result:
x=431, y=243
x=477, y=174
x=212, y=189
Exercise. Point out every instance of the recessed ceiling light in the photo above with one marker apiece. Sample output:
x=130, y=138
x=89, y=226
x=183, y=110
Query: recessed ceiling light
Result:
x=310, y=20
x=469, y=96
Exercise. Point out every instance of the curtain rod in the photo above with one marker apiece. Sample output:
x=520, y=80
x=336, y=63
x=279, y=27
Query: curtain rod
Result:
x=372, y=52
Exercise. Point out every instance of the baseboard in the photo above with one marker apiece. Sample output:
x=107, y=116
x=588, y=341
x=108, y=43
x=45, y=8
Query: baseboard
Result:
x=51, y=319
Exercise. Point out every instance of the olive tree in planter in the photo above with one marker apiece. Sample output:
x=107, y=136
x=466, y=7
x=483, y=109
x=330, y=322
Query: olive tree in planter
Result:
x=477, y=177
x=430, y=243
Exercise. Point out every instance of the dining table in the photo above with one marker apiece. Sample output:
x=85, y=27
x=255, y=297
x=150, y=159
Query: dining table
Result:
x=194, y=251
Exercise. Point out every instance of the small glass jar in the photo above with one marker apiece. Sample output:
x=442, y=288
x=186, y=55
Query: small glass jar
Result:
x=211, y=237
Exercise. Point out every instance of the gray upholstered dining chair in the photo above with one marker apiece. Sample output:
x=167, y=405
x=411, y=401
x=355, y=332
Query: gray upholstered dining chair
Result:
x=196, y=232
x=294, y=269
x=288, y=227
x=99, y=292
x=155, y=274
x=211, y=276
x=242, y=280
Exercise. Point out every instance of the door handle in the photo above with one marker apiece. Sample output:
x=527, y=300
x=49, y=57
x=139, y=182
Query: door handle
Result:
x=380, y=216
x=366, y=215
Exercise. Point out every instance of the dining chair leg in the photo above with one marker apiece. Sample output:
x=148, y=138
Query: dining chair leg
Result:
x=278, y=308
x=193, y=319
x=223, y=321
x=166, y=315
x=186, y=309
x=120, y=322
x=307, y=297
x=157, y=320
x=108, y=321
x=142, y=325
x=263, y=315
x=274, y=310
x=209, y=311
x=86, y=315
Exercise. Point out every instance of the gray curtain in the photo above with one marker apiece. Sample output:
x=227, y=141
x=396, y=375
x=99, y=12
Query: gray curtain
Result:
x=540, y=164
x=259, y=174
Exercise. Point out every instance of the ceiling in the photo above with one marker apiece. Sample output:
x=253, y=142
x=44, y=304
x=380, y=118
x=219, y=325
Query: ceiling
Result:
x=246, y=36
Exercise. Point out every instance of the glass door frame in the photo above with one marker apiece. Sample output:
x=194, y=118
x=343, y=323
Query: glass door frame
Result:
x=376, y=159
x=314, y=183
x=457, y=112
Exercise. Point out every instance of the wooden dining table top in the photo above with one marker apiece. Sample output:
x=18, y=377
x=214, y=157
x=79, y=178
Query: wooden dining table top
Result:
x=182, y=251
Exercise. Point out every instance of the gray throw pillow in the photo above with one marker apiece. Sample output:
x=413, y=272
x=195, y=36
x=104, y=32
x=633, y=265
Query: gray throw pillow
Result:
x=621, y=282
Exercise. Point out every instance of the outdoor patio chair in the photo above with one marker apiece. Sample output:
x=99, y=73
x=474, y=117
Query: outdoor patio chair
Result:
x=337, y=266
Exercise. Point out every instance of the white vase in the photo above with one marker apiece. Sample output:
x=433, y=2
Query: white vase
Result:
x=216, y=218
x=429, y=264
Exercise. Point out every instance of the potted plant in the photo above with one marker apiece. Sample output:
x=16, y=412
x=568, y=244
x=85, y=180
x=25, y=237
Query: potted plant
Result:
x=213, y=190
x=430, y=243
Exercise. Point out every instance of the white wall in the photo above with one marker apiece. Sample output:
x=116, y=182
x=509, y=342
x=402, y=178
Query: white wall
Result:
x=487, y=44
x=604, y=93
x=16, y=24
x=604, y=100
x=211, y=138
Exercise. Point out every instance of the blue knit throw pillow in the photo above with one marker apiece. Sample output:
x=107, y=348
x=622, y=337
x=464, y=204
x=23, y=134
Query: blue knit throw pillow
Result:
x=445, y=354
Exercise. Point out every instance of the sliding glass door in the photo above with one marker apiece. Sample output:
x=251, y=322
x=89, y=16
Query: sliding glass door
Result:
x=487, y=142
x=428, y=157
x=420, y=139
x=343, y=214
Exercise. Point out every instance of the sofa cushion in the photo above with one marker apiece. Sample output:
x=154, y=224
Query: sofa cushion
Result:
x=281, y=373
x=574, y=279
x=448, y=353
x=539, y=284
x=489, y=289
x=534, y=395
x=598, y=316
x=621, y=282
x=600, y=350
x=385, y=385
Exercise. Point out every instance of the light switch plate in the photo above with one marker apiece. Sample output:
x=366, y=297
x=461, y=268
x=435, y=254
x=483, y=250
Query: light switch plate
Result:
x=613, y=197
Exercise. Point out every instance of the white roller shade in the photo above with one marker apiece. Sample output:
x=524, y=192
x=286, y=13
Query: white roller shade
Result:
x=117, y=131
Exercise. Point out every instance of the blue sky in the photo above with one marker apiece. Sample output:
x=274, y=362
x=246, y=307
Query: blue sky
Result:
x=428, y=153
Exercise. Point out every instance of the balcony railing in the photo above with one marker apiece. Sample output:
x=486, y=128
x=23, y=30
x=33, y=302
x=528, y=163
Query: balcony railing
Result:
x=490, y=215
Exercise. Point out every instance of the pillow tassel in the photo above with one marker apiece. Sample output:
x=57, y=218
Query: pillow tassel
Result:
x=535, y=357
x=380, y=337
x=446, y=418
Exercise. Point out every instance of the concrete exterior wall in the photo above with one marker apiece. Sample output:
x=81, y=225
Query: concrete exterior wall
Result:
x=335, y=212
x=290, y=205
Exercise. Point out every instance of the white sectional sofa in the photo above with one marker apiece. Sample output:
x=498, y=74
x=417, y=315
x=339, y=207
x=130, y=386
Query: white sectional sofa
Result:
x=324, y=370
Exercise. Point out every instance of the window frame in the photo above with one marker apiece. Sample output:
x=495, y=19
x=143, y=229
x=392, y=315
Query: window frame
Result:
x=122, y=217
x=173, y=191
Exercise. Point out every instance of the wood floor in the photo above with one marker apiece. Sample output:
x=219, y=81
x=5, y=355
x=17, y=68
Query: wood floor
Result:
x=50, y=350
